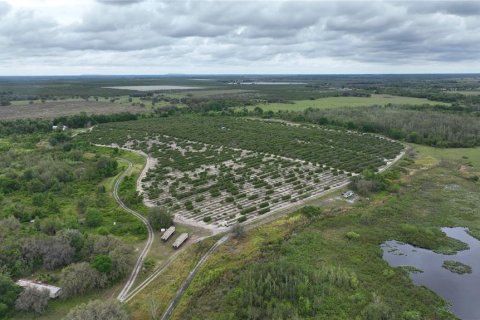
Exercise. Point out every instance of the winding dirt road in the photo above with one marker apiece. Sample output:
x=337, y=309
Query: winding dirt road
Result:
x=151, y=236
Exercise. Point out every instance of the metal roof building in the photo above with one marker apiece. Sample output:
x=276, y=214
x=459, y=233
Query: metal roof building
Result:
x=180, y=240
x=53, y=291
x=167, y=234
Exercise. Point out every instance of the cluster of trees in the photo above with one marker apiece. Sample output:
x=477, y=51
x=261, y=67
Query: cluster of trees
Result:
x=99, y=310
x=370, y=182
x=160, y=218
x=27, y=126
x=84, y=120
x=209, y=104
x=51, y=170
x=432, y=128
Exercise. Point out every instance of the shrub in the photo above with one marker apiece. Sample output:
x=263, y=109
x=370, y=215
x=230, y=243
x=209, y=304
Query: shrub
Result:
x=351, y=235
x=242, y=219
x=93, y=218
x=207, y=219
x=33, y=300
x=80, y=278
x=263, y=211
x=311, y=211
x=99, y=310
x=411, y=315
x=248, y=210
x=102, y=263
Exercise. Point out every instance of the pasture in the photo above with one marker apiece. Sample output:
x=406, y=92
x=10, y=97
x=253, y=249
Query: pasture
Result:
x=338, y=102
x=219, y=170
x=54, y=109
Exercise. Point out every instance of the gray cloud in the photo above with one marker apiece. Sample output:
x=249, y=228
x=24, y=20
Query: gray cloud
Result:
x=119, y=2
x=247, y=36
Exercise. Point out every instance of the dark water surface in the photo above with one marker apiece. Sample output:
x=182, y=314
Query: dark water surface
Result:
x=461, y=290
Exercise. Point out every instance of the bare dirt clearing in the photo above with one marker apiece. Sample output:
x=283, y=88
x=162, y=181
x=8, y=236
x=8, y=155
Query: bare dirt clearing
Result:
x=49, y=110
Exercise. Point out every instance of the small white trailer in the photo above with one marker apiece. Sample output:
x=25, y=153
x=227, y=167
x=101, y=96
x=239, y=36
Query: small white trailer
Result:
x=167, y=234
x=180, y=240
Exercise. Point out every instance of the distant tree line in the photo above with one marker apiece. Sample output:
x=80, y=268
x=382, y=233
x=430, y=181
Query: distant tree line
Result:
x=82, y=120
x=429, y=127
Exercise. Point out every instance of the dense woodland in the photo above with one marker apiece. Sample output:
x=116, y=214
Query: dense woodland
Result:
x=56, y=219
x=434, y=128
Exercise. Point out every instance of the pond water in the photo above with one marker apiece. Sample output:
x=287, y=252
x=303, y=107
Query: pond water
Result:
x=153, y=88
x=267, y=83
x=462, y=291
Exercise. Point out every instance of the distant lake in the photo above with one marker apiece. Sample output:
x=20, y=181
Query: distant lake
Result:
x=268, y=83
x=153, y=88
x=462, y=291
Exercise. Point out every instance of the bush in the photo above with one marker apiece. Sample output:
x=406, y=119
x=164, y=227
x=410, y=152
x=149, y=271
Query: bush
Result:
x=242, y=219
x=411, y=315
x=106, y=166
x=93, y=218
x=99, y=310
x=160, y=218
x=102, y=263
x=351, y=235
x=80, y=278
x=207, y=219
x=33, y=300
x=311, y=211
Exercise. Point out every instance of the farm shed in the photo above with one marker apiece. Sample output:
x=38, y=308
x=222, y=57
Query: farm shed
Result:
x=54, y=291
x=168, y=233
x=180, y=240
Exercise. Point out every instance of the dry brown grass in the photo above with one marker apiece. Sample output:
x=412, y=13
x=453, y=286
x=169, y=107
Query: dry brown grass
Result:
x=50, y=110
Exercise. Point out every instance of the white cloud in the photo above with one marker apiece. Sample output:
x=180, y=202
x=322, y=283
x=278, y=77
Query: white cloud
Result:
x=135, y=36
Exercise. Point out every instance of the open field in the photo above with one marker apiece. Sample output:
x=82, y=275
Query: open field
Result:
x=336, y=102
x=469, y=92
x=227, y=175
x=50, y=110
x=467, y=156
x=235, y=282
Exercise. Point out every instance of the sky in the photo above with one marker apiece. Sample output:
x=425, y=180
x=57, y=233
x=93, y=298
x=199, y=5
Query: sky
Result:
x=76, y=37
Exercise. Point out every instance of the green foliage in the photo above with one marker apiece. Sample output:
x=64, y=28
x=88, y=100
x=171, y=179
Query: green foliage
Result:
x=106, y=166
x=352, y=235
x=377, y=309
x=456, y=267
x=160, y=218
x=283, y=290
x=431, y=126
x=99, y=310
x=9, y=292
x=93, y=218
x=102, y=263
x=311, y=211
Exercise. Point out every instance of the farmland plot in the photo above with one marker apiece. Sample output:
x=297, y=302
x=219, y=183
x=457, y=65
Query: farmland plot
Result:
x=219, y=170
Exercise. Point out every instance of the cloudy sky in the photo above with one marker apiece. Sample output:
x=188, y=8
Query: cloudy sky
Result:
x=50, y=37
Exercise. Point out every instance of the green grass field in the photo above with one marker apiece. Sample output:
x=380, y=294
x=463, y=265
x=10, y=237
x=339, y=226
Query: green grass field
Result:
x=337, y=102
x=468, y=156
x=469, y=92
